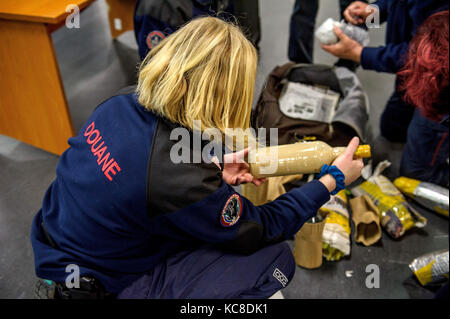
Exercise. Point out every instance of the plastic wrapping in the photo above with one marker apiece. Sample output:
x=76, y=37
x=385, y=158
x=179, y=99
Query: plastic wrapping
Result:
x=356, y=33
x=397, y=216
x=429, y=195
x=431, y=268
x=298, y=158
x=326, y=35
x=336, y=232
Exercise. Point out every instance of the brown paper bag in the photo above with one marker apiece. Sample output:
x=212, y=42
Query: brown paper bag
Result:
x=269, y=190
x=308, y=245
x=366, y=218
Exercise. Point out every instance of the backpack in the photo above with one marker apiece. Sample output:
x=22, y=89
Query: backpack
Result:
x=350, y=118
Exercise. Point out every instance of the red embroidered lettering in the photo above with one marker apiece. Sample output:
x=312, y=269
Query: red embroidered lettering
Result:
x=100, y=153
x=95, y=149
x=89, y=129
x=97, y=137
x=105, y=162
x=108, y=166
x=110, y=169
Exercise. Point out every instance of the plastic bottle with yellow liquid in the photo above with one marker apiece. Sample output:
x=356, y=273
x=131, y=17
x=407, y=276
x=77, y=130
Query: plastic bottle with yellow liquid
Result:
x=298, y=158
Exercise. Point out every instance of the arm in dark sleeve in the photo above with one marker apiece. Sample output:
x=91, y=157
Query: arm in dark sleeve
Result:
x=253, y=226
x=279, y=219
x=402, y=26
x=389, y=58
x=192, y=202
x=284, y=216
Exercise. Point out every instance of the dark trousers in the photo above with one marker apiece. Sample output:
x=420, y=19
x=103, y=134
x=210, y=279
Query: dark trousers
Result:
x=301, y=31
x=425, y=156
x=396, y=118
x=247, y=13
x=208, y=273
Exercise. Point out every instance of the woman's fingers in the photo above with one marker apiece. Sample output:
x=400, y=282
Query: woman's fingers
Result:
x=356, y=13
x=244, y=179
x=248, y=178
x=349, y=16
x=237, y=157
x=340, y=34
x=359, y=163
x=259, y=181
x=241, y=154
x=352, y=147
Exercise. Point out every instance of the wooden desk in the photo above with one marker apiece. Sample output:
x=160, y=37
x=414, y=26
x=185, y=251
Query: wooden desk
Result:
x=33, y=106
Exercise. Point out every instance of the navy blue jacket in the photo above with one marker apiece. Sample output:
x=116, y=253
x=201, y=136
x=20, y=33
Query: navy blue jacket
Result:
x=156, y=19
x=119, y=205
x=403, y=18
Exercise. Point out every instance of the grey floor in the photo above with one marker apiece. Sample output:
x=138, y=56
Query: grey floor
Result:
x=93, y=67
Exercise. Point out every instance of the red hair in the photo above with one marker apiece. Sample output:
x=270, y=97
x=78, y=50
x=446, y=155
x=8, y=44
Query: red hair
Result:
x=425, y=76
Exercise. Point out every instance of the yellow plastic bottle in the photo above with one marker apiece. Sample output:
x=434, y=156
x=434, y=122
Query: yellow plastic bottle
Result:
x=298, y=158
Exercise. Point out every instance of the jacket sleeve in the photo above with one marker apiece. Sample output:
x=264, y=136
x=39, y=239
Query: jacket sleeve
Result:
x=383, y=9
x=232, y=221
x=389, y=58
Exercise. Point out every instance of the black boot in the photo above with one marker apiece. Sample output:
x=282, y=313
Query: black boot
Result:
x=44, y=289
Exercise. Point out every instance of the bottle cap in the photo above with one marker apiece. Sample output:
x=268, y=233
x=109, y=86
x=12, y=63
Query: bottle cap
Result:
x=363, y=151
x=406, y=185
x=315, y=219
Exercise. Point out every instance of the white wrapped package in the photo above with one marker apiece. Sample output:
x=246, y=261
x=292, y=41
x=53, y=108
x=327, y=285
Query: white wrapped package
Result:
x=326, y=35
x=325, y=32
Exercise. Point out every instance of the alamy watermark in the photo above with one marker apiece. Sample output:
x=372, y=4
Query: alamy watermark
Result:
x=373, y=277
x=373, y=19
x=73, y=279
x=73, y=19
x=207, y=145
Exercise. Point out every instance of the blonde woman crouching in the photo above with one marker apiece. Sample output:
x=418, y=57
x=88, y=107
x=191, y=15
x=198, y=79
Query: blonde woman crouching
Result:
x=134, y=222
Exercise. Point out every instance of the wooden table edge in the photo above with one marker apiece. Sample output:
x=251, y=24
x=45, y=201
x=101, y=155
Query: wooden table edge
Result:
x=42, y=19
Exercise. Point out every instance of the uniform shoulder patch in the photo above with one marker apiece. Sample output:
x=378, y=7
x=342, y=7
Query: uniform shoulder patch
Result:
x=153, y=38
x=231, y=212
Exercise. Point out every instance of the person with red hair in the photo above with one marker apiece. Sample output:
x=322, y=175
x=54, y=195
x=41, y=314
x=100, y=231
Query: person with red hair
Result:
x=403, y=18
x=424, y=80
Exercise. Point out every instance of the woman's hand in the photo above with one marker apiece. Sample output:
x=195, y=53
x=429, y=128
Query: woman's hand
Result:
x=346, y=48
x=236, y=171
x=357, y=12
x=350, y=167
x=347, y=164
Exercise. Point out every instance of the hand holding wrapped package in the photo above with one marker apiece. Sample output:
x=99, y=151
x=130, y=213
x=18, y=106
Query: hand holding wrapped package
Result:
x=326, y=35
x=431, y=268
x=397, y=216
x=429, y=195
x=336, y=232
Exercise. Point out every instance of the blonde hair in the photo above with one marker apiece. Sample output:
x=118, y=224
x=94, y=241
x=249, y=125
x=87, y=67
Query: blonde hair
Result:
x=203, y=72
